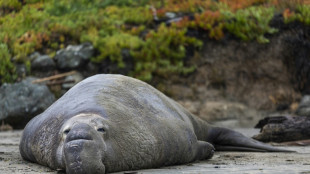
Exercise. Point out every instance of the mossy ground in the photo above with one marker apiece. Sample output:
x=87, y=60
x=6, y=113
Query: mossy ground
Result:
x=139, y=26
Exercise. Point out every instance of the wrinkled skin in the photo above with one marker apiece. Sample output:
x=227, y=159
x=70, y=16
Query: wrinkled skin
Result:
x=110, y=123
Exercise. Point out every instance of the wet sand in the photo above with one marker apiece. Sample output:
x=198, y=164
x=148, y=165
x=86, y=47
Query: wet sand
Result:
x=221, y=163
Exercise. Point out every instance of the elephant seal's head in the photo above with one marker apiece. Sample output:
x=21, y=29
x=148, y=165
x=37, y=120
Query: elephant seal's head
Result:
x=83, y=145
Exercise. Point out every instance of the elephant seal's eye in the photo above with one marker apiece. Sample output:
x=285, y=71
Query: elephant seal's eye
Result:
x=101, y=130
x=66, y=131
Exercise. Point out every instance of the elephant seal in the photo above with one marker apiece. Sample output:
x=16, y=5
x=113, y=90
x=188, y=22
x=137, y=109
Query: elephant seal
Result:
x=110, y=123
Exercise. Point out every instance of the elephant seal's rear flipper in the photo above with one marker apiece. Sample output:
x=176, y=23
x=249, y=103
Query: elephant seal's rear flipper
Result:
x=228, y=140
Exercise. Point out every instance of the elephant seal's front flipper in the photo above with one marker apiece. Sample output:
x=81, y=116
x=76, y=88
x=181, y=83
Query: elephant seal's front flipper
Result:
x=205, y=150
x=228, y=140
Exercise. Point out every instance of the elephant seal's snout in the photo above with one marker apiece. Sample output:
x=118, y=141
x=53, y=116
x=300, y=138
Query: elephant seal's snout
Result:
x=79, y=131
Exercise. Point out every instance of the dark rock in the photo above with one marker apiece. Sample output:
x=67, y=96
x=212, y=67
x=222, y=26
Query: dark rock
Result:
x=283, y=129
x=304, y=106
x=43, y=62
x=270, y=120
x=22, y=101
x=74, y=57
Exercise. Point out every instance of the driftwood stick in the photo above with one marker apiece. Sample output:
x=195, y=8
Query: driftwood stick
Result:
x=57, y=76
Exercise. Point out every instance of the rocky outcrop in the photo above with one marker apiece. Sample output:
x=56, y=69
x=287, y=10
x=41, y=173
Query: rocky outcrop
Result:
x=23, y=100
x=254, y=74
x=233, y=79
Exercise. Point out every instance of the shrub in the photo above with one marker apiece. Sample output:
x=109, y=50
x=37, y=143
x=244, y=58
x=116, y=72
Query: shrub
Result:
x=7, y=68
x=163, y=52
x=211, y=22
x=303, y=14
x=251, y=23
x=111, y=47
x=11, y=4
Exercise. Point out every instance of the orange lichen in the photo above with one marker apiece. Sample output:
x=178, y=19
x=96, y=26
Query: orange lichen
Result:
x=287, y=13
x=240, y=4
x=209, y=21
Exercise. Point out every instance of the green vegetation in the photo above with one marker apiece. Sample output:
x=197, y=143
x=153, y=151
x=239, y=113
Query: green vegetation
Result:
x=7, y=69
x=301, y=14
x=251, y=23
x=12, y=4
x=111, y=26
x=163, y=52
x=111, y=47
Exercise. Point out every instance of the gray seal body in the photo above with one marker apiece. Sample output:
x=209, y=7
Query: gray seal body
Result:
x=110, y=123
